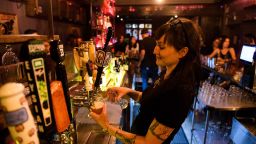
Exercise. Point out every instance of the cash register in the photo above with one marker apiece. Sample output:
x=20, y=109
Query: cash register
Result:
x=248, y=59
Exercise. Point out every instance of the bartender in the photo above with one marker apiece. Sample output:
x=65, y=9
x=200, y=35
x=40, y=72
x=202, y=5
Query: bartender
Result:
x=165, y=105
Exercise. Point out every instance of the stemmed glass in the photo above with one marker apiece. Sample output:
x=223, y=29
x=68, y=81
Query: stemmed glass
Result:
x=103, y=95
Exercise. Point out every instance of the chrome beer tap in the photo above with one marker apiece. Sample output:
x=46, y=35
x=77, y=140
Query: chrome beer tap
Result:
x=84, y=55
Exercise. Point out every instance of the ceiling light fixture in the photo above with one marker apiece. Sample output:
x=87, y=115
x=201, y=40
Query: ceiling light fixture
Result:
x=159, y=1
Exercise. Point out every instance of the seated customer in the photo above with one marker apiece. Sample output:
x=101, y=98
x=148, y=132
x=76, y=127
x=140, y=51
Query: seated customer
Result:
x=133, y=55
x=120, y=46
x=216, y=43
x=225, y=53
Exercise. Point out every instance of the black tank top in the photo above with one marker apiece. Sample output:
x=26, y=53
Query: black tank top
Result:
x=226, y=56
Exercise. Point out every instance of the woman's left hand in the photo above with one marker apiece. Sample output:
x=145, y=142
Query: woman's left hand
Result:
x=101, y=118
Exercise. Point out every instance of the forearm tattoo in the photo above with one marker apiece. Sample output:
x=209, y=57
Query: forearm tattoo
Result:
x=124, y=139
x=161, y=133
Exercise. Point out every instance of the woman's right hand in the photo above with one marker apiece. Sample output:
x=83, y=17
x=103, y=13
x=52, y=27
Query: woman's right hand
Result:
x=114, y=94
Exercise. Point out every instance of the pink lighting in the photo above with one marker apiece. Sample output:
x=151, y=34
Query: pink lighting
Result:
x=188, y=7
x=132, y=9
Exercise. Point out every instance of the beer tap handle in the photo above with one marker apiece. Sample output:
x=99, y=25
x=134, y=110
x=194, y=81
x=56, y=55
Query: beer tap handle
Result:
x=77, y=58
x=88, y=69
x=91, y=49
x=58, y=55
x=101, y=54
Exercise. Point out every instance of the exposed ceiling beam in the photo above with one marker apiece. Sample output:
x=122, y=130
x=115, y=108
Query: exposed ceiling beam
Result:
x=169, y=2
x=167, y=10
x=154, y=2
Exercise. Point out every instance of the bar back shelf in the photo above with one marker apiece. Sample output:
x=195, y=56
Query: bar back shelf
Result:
x=11, y=39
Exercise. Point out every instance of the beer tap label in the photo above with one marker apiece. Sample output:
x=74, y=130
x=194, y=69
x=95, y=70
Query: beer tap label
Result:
x=107, y=58
x=16, y=117
x=40, y=78
x=36, y=46
x=61, y=50
x=100, y=58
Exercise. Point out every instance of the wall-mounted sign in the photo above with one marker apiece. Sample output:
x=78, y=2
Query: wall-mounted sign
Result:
x=8, y=24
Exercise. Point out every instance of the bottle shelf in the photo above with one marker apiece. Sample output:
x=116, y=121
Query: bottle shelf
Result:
x=8, y=39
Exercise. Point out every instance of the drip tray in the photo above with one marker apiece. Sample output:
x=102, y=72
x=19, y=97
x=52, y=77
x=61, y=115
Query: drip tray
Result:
x=93, y=134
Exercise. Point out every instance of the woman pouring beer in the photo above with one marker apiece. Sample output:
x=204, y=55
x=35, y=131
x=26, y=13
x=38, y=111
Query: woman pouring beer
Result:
x=165, y=105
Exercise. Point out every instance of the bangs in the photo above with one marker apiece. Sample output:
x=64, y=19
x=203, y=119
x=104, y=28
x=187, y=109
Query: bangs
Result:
x=173, y=36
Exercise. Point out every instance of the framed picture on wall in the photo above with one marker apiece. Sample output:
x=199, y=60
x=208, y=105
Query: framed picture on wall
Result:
x=8, y=24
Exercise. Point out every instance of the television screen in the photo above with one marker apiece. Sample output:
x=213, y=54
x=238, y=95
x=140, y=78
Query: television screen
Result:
x=247, y=53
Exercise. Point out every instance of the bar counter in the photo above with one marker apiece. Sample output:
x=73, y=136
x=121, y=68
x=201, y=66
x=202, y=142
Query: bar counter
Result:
x=214, y=97
x=88, y=131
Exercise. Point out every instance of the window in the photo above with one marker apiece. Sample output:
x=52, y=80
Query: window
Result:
x=134, y=29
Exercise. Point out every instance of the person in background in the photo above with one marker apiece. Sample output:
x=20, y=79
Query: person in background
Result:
x=133, y=56
x=79, y=40
x=47, y=47
x=164, y=105
x=120, y=46
x=127, y=38
x=249, y=39
x=70, y=42
x=22, y=52
x=31, y=31
x=226, y=53
x=147, y=65
x=49, y=62
x=216, y=43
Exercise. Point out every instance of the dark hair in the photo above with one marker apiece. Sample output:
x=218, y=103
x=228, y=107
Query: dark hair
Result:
x=144, y=30
x=131, y=45
x=222, y=40
x=181, y=32
x=30, y=31
x=249, y=38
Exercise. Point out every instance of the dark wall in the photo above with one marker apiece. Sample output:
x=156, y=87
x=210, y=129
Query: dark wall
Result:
x=239, y=20
x=211, y=27
x=41, y=25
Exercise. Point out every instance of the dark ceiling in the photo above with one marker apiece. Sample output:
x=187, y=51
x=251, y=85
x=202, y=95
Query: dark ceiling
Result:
x=151, y=8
